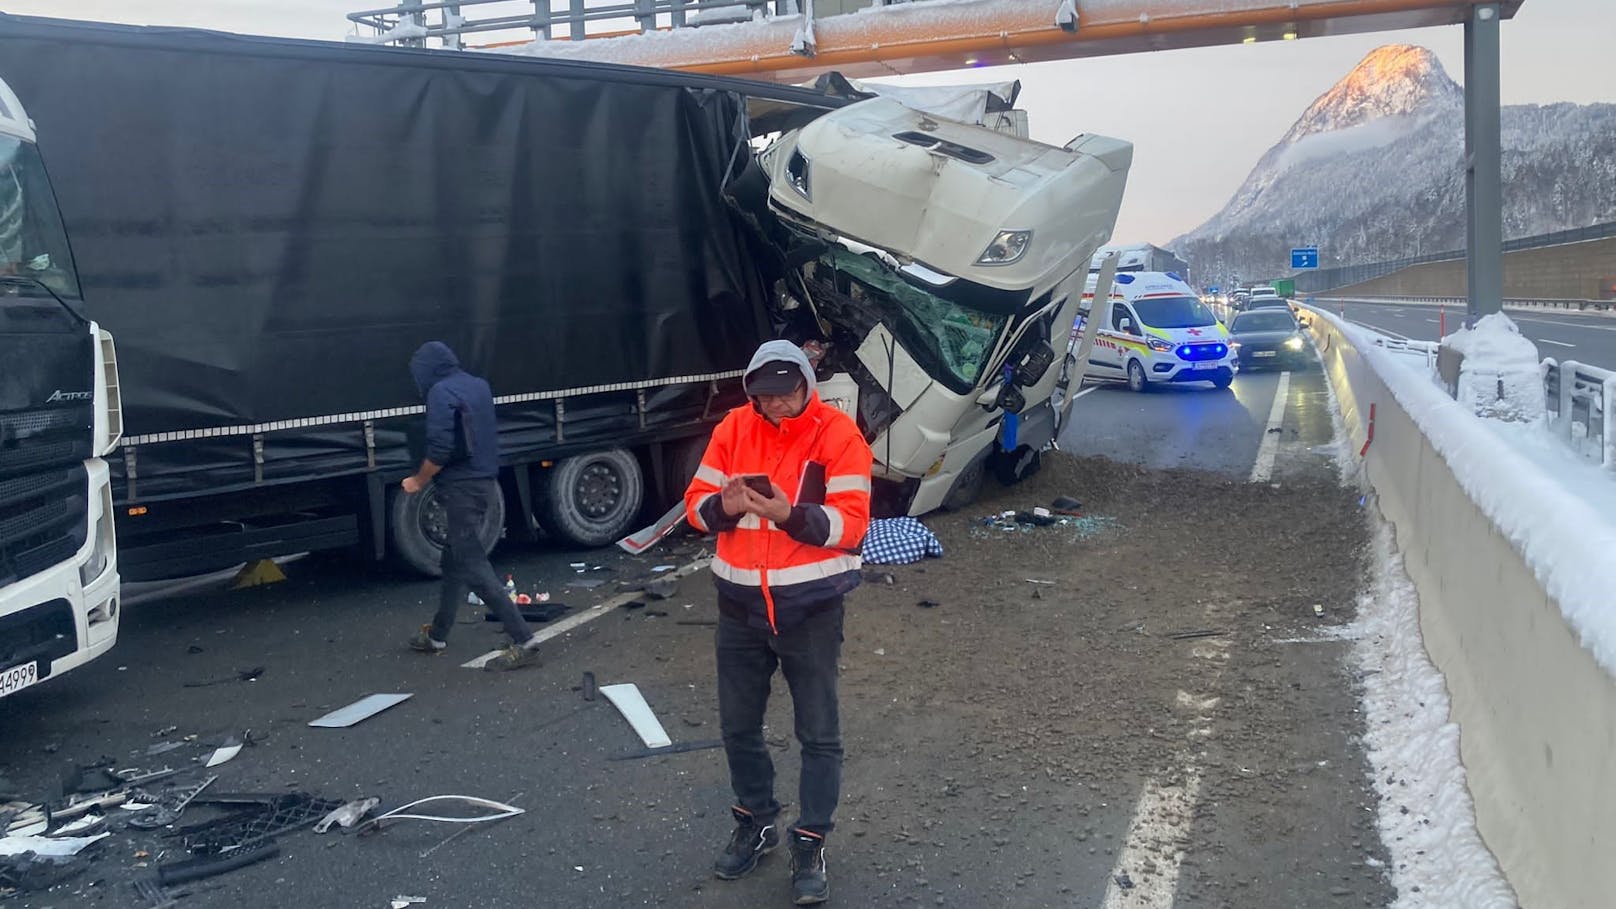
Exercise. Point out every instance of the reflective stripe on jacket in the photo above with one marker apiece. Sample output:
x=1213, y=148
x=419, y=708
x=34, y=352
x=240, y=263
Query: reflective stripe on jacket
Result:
x=820, y=459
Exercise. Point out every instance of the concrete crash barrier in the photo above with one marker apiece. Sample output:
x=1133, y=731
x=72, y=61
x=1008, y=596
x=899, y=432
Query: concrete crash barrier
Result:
x=1509, y=583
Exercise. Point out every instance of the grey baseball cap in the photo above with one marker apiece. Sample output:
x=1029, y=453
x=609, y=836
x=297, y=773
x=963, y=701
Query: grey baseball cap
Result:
x=776, y=377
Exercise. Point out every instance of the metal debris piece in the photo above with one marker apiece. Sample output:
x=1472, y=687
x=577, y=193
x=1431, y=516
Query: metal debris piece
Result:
x=679, y=748
x=198, y=868
x=223, y=753
x=359, y=711
x=56, y=847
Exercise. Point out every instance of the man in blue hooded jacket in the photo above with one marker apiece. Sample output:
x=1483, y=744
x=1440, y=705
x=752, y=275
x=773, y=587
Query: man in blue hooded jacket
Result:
x=462, y=461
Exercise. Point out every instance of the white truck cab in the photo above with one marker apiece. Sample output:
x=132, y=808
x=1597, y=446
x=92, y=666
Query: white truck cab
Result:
x=1153, y=328
x=59, y=415
x=941, y=264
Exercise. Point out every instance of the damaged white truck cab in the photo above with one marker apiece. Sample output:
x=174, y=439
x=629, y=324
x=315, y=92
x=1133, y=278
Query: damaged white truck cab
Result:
x=941, y=265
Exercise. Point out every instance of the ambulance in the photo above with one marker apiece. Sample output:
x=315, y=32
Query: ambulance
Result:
x=1155, y=329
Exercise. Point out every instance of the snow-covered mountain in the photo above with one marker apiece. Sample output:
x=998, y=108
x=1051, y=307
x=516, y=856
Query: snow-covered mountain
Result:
x=1374, y=170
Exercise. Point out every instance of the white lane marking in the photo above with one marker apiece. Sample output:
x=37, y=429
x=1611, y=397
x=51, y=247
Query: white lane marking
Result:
x=1384, y=331
x=1087, y=391
x=1583, y=325
x=555, y=629
x=1261, y=470
x=1432, y=321
x=1161, y=827
x=1555, y=343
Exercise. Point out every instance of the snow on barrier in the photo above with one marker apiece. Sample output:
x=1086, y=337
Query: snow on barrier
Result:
x=1516, y=578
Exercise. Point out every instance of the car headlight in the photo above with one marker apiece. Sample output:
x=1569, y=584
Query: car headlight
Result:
x=1008, y=247
x=1157, y=344
x=1294, y=342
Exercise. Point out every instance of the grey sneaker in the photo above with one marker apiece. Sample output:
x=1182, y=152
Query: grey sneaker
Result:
x=809, y=883
x=750, y=842
x=513, y=657
x=425, y=642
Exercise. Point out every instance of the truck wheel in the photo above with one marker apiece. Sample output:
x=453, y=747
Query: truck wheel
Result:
x=1011, y=467
x=967, y=486
x=1136, y=376
x=684, y=458
x=418, y=526
x=591, y=499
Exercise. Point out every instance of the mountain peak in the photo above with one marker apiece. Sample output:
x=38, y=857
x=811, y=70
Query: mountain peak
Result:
x=1395, y=80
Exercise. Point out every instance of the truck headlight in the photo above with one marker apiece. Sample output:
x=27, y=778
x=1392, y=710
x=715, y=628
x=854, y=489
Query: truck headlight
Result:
x=1294, y=342
x=100, y=550
x=1008, y=247
x=797, y=174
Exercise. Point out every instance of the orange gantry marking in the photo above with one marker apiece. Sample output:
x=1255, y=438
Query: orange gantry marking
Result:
x=937, y=35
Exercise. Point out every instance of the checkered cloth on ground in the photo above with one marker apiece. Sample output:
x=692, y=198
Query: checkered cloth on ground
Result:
x=899, y=541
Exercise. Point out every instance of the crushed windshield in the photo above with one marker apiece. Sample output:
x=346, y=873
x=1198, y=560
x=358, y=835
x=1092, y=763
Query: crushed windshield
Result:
x=958, y=336
x=32, y=241
x=1264, y=321
x=1173, y=312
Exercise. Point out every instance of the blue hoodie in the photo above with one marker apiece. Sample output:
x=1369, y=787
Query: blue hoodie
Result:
x=462, y=433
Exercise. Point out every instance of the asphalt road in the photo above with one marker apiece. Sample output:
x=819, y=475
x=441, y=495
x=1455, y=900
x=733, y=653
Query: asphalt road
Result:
x=1589, y=339
x=1287, y=820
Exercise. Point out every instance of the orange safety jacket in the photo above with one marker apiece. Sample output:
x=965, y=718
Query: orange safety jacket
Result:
x=780, y=573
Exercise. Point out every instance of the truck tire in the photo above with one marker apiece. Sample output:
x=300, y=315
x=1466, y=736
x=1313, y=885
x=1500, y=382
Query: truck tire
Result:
x=683, y=458
x=417, y=527
x=967, y=486
x=591, y=499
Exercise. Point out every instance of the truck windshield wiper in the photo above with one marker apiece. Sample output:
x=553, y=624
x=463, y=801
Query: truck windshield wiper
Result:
x=26, y=280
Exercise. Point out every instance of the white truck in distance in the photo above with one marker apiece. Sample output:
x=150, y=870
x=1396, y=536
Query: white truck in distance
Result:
x=941, y=265
x=58, y=417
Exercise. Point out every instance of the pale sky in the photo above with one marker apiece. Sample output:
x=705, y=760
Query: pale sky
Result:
x=1199, y=119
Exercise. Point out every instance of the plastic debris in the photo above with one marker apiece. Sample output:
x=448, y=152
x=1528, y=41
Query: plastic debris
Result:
x=628, y=700
x=662, y=588
x=359, y=711
x=45, y=845
x=348, y=815
x=225, y=752
x=500, y=811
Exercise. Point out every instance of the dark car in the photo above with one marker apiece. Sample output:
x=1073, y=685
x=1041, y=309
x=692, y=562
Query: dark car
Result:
x=1267, y=303
x=1269, y=337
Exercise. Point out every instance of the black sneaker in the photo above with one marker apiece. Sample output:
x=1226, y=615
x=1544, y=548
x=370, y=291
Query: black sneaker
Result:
x=809, y=884
x=750, y=842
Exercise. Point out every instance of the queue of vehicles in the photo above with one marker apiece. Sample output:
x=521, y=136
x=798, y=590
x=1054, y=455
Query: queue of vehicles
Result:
x=268, y=268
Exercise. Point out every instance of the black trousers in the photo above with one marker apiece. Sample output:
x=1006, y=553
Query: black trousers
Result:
x=465, y=564
x=807, y=656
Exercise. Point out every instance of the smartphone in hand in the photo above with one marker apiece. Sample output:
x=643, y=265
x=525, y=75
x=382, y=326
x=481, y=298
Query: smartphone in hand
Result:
x=760, y=484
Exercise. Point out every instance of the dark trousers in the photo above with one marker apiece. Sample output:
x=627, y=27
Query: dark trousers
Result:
x=465, y=564
x=807, y=656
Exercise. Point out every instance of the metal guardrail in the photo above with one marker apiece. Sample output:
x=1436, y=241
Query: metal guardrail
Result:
x=1576, y=395
x=1580, y=305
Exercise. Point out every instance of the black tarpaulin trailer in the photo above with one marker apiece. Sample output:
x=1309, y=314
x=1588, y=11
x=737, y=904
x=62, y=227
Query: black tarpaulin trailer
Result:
x=270, y=227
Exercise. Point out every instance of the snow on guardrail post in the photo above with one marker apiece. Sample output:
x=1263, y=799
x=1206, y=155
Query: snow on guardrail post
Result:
x=1607, y=391
x=1553, y=397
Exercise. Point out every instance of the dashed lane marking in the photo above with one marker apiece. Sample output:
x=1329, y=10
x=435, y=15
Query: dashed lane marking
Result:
x=1555, y=343
x=1266, y=451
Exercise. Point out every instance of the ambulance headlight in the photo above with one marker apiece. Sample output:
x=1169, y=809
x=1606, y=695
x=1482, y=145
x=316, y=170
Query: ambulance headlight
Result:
x=1007, y=248
x=1157, y=344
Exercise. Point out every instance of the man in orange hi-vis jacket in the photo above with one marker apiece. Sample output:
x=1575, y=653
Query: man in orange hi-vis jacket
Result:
x=784, y=563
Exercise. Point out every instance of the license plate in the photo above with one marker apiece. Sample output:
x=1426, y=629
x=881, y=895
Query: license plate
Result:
x=1264, y=353
x=17, y=678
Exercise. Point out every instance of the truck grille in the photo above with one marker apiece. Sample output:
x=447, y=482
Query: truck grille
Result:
x=45, y=632
x=30, y=440
x=46, y=520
